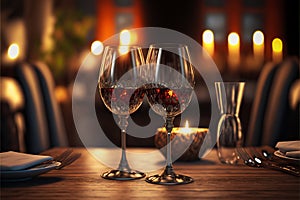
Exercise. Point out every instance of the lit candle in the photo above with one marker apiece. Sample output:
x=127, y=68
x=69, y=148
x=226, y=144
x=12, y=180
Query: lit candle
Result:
x=185, y=137
x=186, y=128
x=208, y=42
x=258, y=45
x=233, y=49
x=124, y=40
x=277, y=50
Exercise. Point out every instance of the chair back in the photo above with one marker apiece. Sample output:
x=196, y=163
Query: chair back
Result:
x=44, y=125
x=278, y=125
x=264, y=83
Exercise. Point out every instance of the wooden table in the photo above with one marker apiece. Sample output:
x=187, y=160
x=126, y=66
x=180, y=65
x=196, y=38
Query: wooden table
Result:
x=81, y=180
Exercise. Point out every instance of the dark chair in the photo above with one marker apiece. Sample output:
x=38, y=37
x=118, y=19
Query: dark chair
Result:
x=12, y=119
x=278, y=124
x=52, y=110
x=44, y=126
x=259, y=105
x=272, y=118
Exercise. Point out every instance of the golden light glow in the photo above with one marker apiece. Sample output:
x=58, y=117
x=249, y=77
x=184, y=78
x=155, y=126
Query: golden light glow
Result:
x=258, y=46
x=233, y=39
x=123, y=50
x=125, y=37
x=170, y=92
x=233, y=50
x=186, y=128
x=97, y=47
x=208, y=36
x=61, y=94
x=124, y=40
x=277, y=48
x=277, y=45
x=208, y=41
x=12, y=92
x=187, y=124
x=258, y=38
x=13, y=51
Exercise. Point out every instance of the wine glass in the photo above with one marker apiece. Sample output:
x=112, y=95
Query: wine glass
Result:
x=169, y=90
x=118, y=83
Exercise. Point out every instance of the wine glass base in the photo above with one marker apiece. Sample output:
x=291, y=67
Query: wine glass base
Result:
x=122, y=175
x=169, y=180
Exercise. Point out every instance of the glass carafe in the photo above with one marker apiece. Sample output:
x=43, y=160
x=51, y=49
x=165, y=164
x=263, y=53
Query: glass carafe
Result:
x=230, y=136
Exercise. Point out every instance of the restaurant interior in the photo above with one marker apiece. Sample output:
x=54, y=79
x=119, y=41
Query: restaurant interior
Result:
x=106, y=99
x=59, y=34
x=43, y=44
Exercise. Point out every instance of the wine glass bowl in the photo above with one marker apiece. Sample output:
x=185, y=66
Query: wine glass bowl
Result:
x=169, y=91
x=120, y=89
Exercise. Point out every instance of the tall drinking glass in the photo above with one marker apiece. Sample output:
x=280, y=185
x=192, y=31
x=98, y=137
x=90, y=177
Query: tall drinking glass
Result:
x=230, y=136
x=171, y=82
x=119, y=82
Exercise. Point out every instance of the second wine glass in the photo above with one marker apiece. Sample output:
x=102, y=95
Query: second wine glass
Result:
x=119, y=82
x=169, y=90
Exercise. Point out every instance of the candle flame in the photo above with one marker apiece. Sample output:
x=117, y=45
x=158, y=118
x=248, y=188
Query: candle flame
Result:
x=208, y=41
x=277, y=50
x=125, y=37
x=186, y=124
x=124, y=40
x=208, y=37
x=233, y=39
x=258, y=38
x=123, y=50
x=186, y=128
x=277, y=45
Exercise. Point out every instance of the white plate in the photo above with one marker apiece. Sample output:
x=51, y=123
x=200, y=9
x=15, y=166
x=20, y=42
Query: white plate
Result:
x=20, y=175
x=281, y=155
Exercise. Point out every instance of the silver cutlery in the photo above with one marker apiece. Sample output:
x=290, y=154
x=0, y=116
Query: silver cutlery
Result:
x=253, y=160
x=65, y=158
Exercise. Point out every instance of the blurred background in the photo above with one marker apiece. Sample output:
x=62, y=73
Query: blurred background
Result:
x=242, y=37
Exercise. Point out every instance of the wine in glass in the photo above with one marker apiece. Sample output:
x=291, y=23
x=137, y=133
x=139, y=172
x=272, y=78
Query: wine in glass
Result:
x=169, y=91
x=118, y=83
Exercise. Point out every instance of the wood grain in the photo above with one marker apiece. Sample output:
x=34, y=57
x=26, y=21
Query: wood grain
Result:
x=212, y=180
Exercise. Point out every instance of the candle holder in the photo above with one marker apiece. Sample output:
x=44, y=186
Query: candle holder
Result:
x=194, y=136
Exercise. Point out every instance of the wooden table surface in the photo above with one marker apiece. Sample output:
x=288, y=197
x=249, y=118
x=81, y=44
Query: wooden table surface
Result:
x=81, y=180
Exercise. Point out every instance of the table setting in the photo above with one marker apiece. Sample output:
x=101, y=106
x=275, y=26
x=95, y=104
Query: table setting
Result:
x=165, y=78
x=16, y=166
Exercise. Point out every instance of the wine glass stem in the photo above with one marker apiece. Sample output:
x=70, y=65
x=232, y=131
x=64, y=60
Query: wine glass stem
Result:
x=169, y=126
x=123, y=166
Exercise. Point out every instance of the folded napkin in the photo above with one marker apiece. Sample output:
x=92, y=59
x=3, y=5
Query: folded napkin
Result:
x=289, y=148
x=18, y=161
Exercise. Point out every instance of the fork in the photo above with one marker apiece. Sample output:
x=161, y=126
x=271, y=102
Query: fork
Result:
x=255, y=161
x=65, y=158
